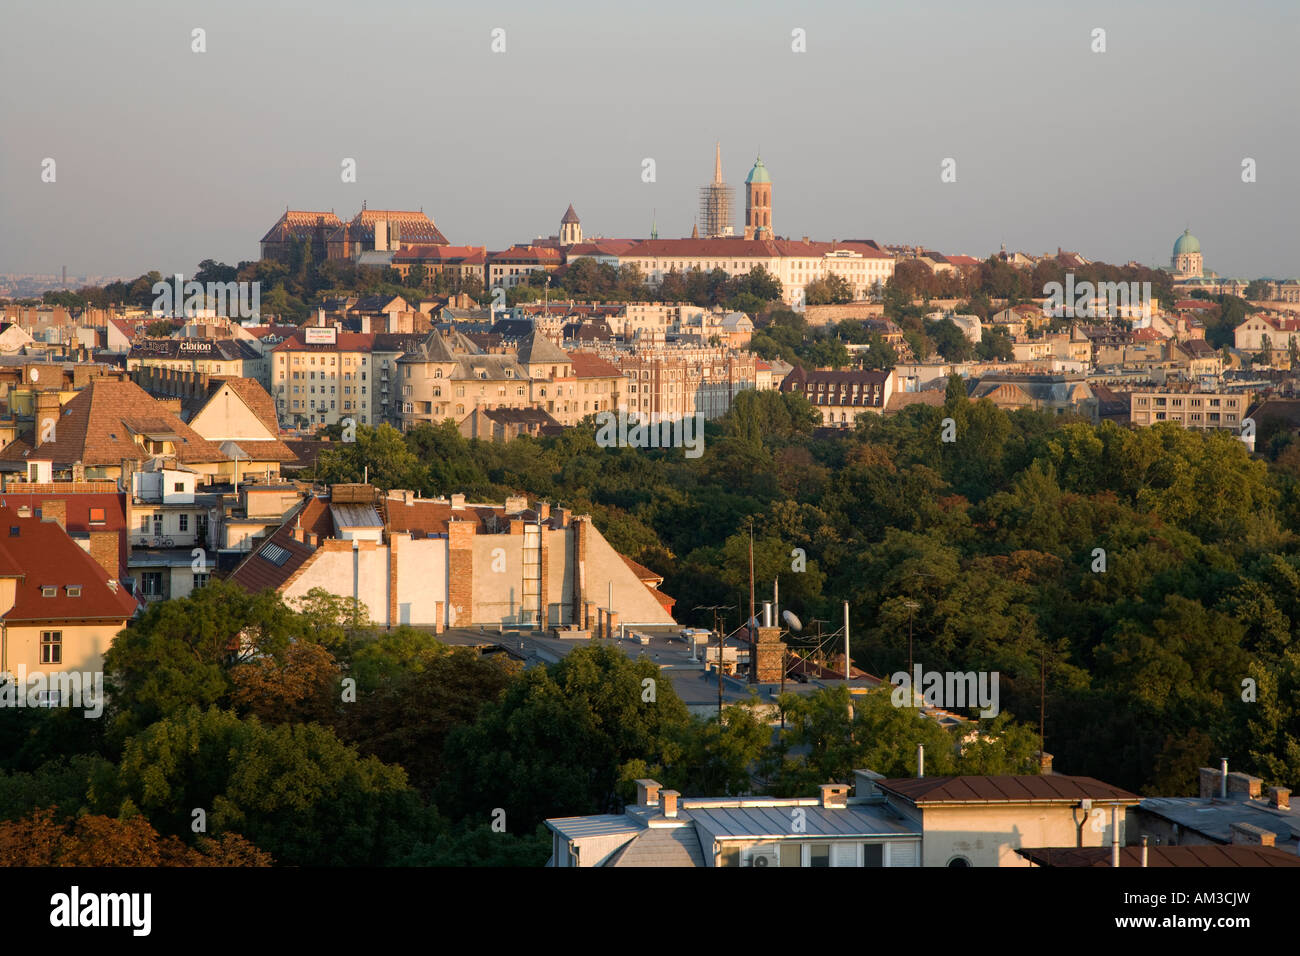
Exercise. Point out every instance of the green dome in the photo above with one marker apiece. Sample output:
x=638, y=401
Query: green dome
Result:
x=1187, y=243
x=759, y=173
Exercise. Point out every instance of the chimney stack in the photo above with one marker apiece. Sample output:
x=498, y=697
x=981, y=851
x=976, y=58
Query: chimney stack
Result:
x=669, y=799
x=56, y=510
x=104, y=549
x=1279, y=797
x=647, y=792
x=920, y=761
x=834, y=795
x=1144, y=851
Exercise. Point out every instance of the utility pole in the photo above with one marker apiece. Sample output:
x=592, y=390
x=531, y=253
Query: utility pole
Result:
x=911, y=606
x=753, y=624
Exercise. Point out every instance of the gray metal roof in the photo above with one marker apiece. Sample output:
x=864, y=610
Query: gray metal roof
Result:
x=605, y=824
x=772, y=822
x=659, y=846
x=1214, y=817
x=355, y=516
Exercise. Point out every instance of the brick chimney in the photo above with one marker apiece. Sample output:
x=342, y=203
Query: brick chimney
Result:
x=1279, y=797
x=104, y=549
x=669, y=801
x=1251, y=835
x=834, y=795
x=458, y=501
x=647, y=792
x=56, y=510
x=1242, y=786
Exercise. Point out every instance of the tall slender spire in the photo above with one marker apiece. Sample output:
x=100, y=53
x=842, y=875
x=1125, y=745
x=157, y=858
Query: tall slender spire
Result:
x=717, y=163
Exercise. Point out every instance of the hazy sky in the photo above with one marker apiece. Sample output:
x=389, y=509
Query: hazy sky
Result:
x=165, y=156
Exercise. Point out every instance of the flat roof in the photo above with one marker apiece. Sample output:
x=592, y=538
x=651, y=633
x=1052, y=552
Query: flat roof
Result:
x=603, y=824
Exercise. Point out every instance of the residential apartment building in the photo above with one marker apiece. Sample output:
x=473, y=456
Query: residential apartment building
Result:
x=982, y=821
x=322, y=376
x=675, y=381
x=512, y=266
x=1189, y=407
x=447, y=563
x=60, y=608
x=1263, y=328
x=841, y=396
x=229, y=357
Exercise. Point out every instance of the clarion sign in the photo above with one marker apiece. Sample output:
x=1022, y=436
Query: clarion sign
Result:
x=74, y=909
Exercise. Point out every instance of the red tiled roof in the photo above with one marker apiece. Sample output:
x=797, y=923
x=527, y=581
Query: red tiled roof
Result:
x=77, y=507
x=589, y=365
x=297, y=222
x=345, y=342
x=257, y=573
x=95, y=427
x=42, y=554
x=1231, y=855
x=1022, y=788
x=727, y=248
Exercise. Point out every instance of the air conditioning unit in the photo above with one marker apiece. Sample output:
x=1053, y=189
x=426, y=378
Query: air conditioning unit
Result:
x=763, y=856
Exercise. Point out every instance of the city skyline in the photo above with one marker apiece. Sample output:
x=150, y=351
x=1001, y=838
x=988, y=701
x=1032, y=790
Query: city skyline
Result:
x=567, y=113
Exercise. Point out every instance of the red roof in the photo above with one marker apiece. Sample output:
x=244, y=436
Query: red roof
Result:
x=344, y=342
x=41, y=554
x=746, y=248
x=276, y=559
x=78, y=506
x=1022, y=788
x=589, y=365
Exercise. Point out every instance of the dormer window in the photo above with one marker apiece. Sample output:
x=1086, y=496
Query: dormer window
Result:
x=74, y=590
x=49, y=590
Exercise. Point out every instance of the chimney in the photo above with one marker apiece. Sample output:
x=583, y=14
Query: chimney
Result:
x=543, y=510
x=1279, y=797
x=1242, y=786
x=1250, y=835
x=669, y=799
x=458, y=501
x=834, y=795
x=56, y=510
x=920, y=761
x=647, y=792
x=104, y=549
x=516, y=504
x=1144, y=851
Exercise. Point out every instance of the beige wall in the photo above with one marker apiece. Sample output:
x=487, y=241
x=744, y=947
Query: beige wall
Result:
x=989, y=835
x=227, y=417
x=83, y=646
x=632, y=599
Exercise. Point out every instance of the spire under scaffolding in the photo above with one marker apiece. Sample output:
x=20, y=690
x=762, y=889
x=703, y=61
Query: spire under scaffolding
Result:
x=715, y=202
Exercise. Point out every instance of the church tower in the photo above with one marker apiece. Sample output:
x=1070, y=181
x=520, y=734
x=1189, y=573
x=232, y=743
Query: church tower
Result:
x=758, y=202
x=570, y=228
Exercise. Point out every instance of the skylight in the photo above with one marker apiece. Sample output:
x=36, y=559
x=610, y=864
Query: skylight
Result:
x=275, y=554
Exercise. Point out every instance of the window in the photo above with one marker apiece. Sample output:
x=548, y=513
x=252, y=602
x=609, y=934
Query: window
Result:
x=97, y=516
x=178, y=486
x=819, y=854
x=157, y=526
x=144, y=524
x=151, y=584
x=74, y=590
x=183, y=522
x=49, y=590
x=201, y=579
x=51, y=647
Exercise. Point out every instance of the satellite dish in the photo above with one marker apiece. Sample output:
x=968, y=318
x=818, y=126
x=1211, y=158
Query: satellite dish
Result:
x=791, y=621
